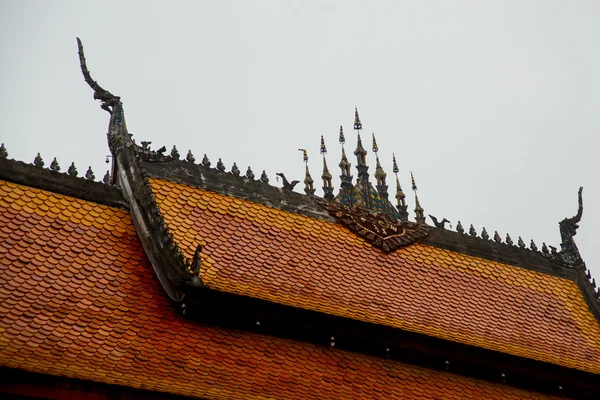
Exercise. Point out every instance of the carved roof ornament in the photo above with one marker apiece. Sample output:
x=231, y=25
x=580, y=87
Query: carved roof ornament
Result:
x=3, y=152
x=263, y=177
x=54, y=166
x=308, y=181
x=205, y=161
x=286, y=184
x=400, y=196
x=419, y=212
x=38, y=161
x=190, y=157
x=380, y=230
x=459, y=228
x=439, y=224
x=569, y=253
x=89, y=174
x=326, y=176
x=380, y=174
x=72, y=171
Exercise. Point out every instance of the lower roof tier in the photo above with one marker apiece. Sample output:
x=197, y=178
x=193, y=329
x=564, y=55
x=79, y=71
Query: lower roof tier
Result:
x=78, y=299
x=263, y=252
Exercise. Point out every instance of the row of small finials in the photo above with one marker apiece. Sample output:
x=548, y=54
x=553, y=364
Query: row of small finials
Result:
x=484, y=235
x=38, y=161
x=220, y=166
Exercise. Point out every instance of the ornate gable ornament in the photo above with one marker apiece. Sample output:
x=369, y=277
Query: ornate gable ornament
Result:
x=380, y=230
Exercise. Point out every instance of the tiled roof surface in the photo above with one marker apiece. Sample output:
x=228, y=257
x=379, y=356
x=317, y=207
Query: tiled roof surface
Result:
x=78, y=299
x=258, y=251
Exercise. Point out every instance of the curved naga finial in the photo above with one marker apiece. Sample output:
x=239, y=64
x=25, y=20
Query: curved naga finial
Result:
x=569, y=253
x=118, y=137
x=109, y=100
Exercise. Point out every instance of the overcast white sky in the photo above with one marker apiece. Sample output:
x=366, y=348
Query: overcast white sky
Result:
x=492, y=105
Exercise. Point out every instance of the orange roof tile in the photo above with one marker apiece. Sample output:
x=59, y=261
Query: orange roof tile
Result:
x=258, y=251
x=78, y=299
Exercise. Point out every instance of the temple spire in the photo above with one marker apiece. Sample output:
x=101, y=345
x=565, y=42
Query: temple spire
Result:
x=419, y=212
x=346, y=177
x=360, y=152
x=380, y=174
x=308, y=181
x=327, y=187
x=400, y=197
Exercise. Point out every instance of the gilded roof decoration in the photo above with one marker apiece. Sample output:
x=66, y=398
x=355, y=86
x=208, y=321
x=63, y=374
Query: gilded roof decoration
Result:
x=382, y=231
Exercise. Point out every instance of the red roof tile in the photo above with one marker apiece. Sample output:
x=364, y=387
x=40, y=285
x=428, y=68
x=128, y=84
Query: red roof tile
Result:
x=81, y=302
x=258, y=251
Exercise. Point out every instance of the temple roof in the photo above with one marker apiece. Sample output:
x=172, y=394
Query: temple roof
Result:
x=341, y=284
x=264, y=252
x=78, y=300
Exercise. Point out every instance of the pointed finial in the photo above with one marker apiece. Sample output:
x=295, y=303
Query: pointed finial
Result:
x=395, y=170
x=375, y=148
x=72, y=171
x=235, y=170
x=545, y=249
x=532, y=246
x=3, y=152
x=497, y=237
x=54, y=165
x=342, y=138
x=326, y=176
x=509, y=240
x=106, y=178
x=263, y=177
x=38, y=161
x=205, y=161
x=521, y=243
x=220, y=166
x=419, y=212
x=472, y=231
x=190, y=157
x=357, y=124
x=89, y=174
x=308, y=181
x=304, y=155
x=459, y=228
x=484, y=234
x=249, y=173
x=175, y=153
